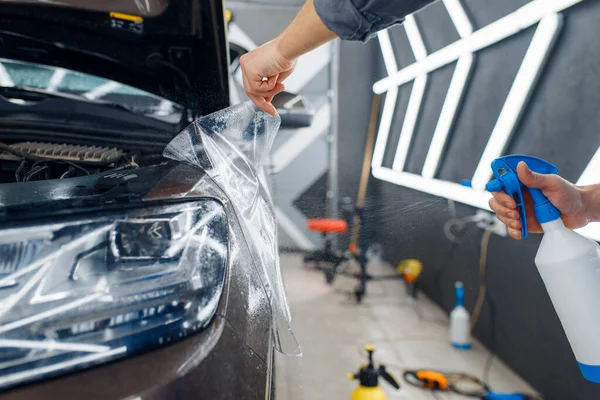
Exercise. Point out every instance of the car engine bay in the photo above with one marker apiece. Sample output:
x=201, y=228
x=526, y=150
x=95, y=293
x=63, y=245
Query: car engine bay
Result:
x=35, y=161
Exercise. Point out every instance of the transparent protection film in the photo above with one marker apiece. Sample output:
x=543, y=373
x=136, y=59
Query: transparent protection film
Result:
x=232, y=146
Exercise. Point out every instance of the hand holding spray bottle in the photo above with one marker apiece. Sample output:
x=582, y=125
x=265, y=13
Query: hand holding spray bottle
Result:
x=569, y=263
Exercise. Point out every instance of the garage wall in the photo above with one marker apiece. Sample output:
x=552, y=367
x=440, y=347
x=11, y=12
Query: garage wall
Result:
x=560, y=123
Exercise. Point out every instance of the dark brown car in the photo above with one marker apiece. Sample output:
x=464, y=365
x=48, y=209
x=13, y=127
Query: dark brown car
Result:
x=123, y=275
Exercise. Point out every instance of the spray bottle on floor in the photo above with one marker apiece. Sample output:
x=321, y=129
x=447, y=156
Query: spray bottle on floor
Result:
x=368, y=376
x=569, y=263
x=460, y=321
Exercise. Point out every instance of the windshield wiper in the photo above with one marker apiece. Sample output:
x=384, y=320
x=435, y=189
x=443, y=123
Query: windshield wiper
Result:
x=31, y=94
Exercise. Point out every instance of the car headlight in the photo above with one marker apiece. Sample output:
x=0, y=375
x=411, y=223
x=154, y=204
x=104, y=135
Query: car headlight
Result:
x=91, y=289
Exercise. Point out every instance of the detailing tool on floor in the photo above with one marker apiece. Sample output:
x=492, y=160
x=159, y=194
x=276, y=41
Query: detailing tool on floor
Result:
x=460, y=321
x=328, y=260
x=368, y=376
x=567, y=262
x=462, y=384
x=427, y=379
x=410, y=269
x=456, y=383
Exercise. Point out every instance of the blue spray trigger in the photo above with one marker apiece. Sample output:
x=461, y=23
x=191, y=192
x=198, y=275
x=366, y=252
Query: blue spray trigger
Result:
x=505, y=172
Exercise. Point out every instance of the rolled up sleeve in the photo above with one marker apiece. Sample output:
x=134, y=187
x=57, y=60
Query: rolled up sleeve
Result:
x=361, y=19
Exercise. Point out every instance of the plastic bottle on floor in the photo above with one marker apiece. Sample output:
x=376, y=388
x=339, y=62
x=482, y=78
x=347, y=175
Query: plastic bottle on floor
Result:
x=460, y=321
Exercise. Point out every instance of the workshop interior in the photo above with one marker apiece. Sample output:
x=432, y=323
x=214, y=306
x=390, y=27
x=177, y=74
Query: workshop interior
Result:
x=163, y=238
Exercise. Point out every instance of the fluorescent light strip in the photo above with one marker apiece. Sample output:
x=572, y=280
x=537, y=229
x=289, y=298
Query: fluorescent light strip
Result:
x=236, y=35
x=591, y=174
x=301, y=139
x=234, y=95
x=52, y=345
x=292, y=230
x=385, y=124
x=501, y=29
x=102, y=90
x=533, y=11
x=31, y=373
x=408, y=74
x=43, y=264
x=456, y=192
x=459, y=17
x=416, y=95
x=447, y=115
x=217, y=246
x=519, y=93
x=308, y=66
x=414, y=38
x=56, y=79
x=410, y=120
x=239, y=77
x=436, y=187
x=390, y=100
x=5, y=79
x=51, y=312
x=479, y=40
x=165, y=106
x=389, y=59
x=523, y=18
x=7, y=304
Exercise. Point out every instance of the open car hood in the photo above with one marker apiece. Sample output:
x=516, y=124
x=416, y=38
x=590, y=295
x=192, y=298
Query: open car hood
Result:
x=175, y=49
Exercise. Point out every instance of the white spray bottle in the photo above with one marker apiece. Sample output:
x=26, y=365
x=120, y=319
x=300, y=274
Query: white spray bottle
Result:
x=569, y=264
x=460, y=321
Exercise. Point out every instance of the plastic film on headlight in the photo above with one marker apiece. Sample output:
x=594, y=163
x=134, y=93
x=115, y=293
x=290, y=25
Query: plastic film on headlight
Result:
x=91, y=289
x=232, y=146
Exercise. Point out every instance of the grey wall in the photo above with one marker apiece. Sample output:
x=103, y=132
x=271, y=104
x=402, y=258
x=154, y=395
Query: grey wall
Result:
x=560, y=124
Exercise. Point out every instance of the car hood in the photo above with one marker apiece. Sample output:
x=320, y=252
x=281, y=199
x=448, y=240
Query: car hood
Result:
x=175, y=49
x=164, y=182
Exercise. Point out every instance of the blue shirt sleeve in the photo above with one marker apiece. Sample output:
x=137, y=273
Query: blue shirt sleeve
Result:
x=362, y=19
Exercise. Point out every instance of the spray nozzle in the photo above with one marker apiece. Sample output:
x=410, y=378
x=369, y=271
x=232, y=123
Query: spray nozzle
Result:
x=369, y=374
x=505, y=172
x=459, y=292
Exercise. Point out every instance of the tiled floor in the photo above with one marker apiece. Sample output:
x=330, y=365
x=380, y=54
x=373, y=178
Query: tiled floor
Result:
x=332, y=330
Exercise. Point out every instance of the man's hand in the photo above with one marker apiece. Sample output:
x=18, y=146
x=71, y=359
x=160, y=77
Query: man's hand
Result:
x=263, y=71
x=265, y=68
x=568, y=198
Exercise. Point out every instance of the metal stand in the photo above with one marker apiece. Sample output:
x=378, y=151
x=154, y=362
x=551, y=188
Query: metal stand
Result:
x=332, y=201
x=364, y=276
x=332, y=263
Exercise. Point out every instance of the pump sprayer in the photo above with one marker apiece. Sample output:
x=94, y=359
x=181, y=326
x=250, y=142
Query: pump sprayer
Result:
x=368, y=376
x=569, y=263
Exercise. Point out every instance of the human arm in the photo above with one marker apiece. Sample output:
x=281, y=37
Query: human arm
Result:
x=276, y=59
x=317, y=23
x=579, y=205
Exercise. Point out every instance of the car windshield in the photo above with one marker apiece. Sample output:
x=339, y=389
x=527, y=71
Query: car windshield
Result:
x=58, y=80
